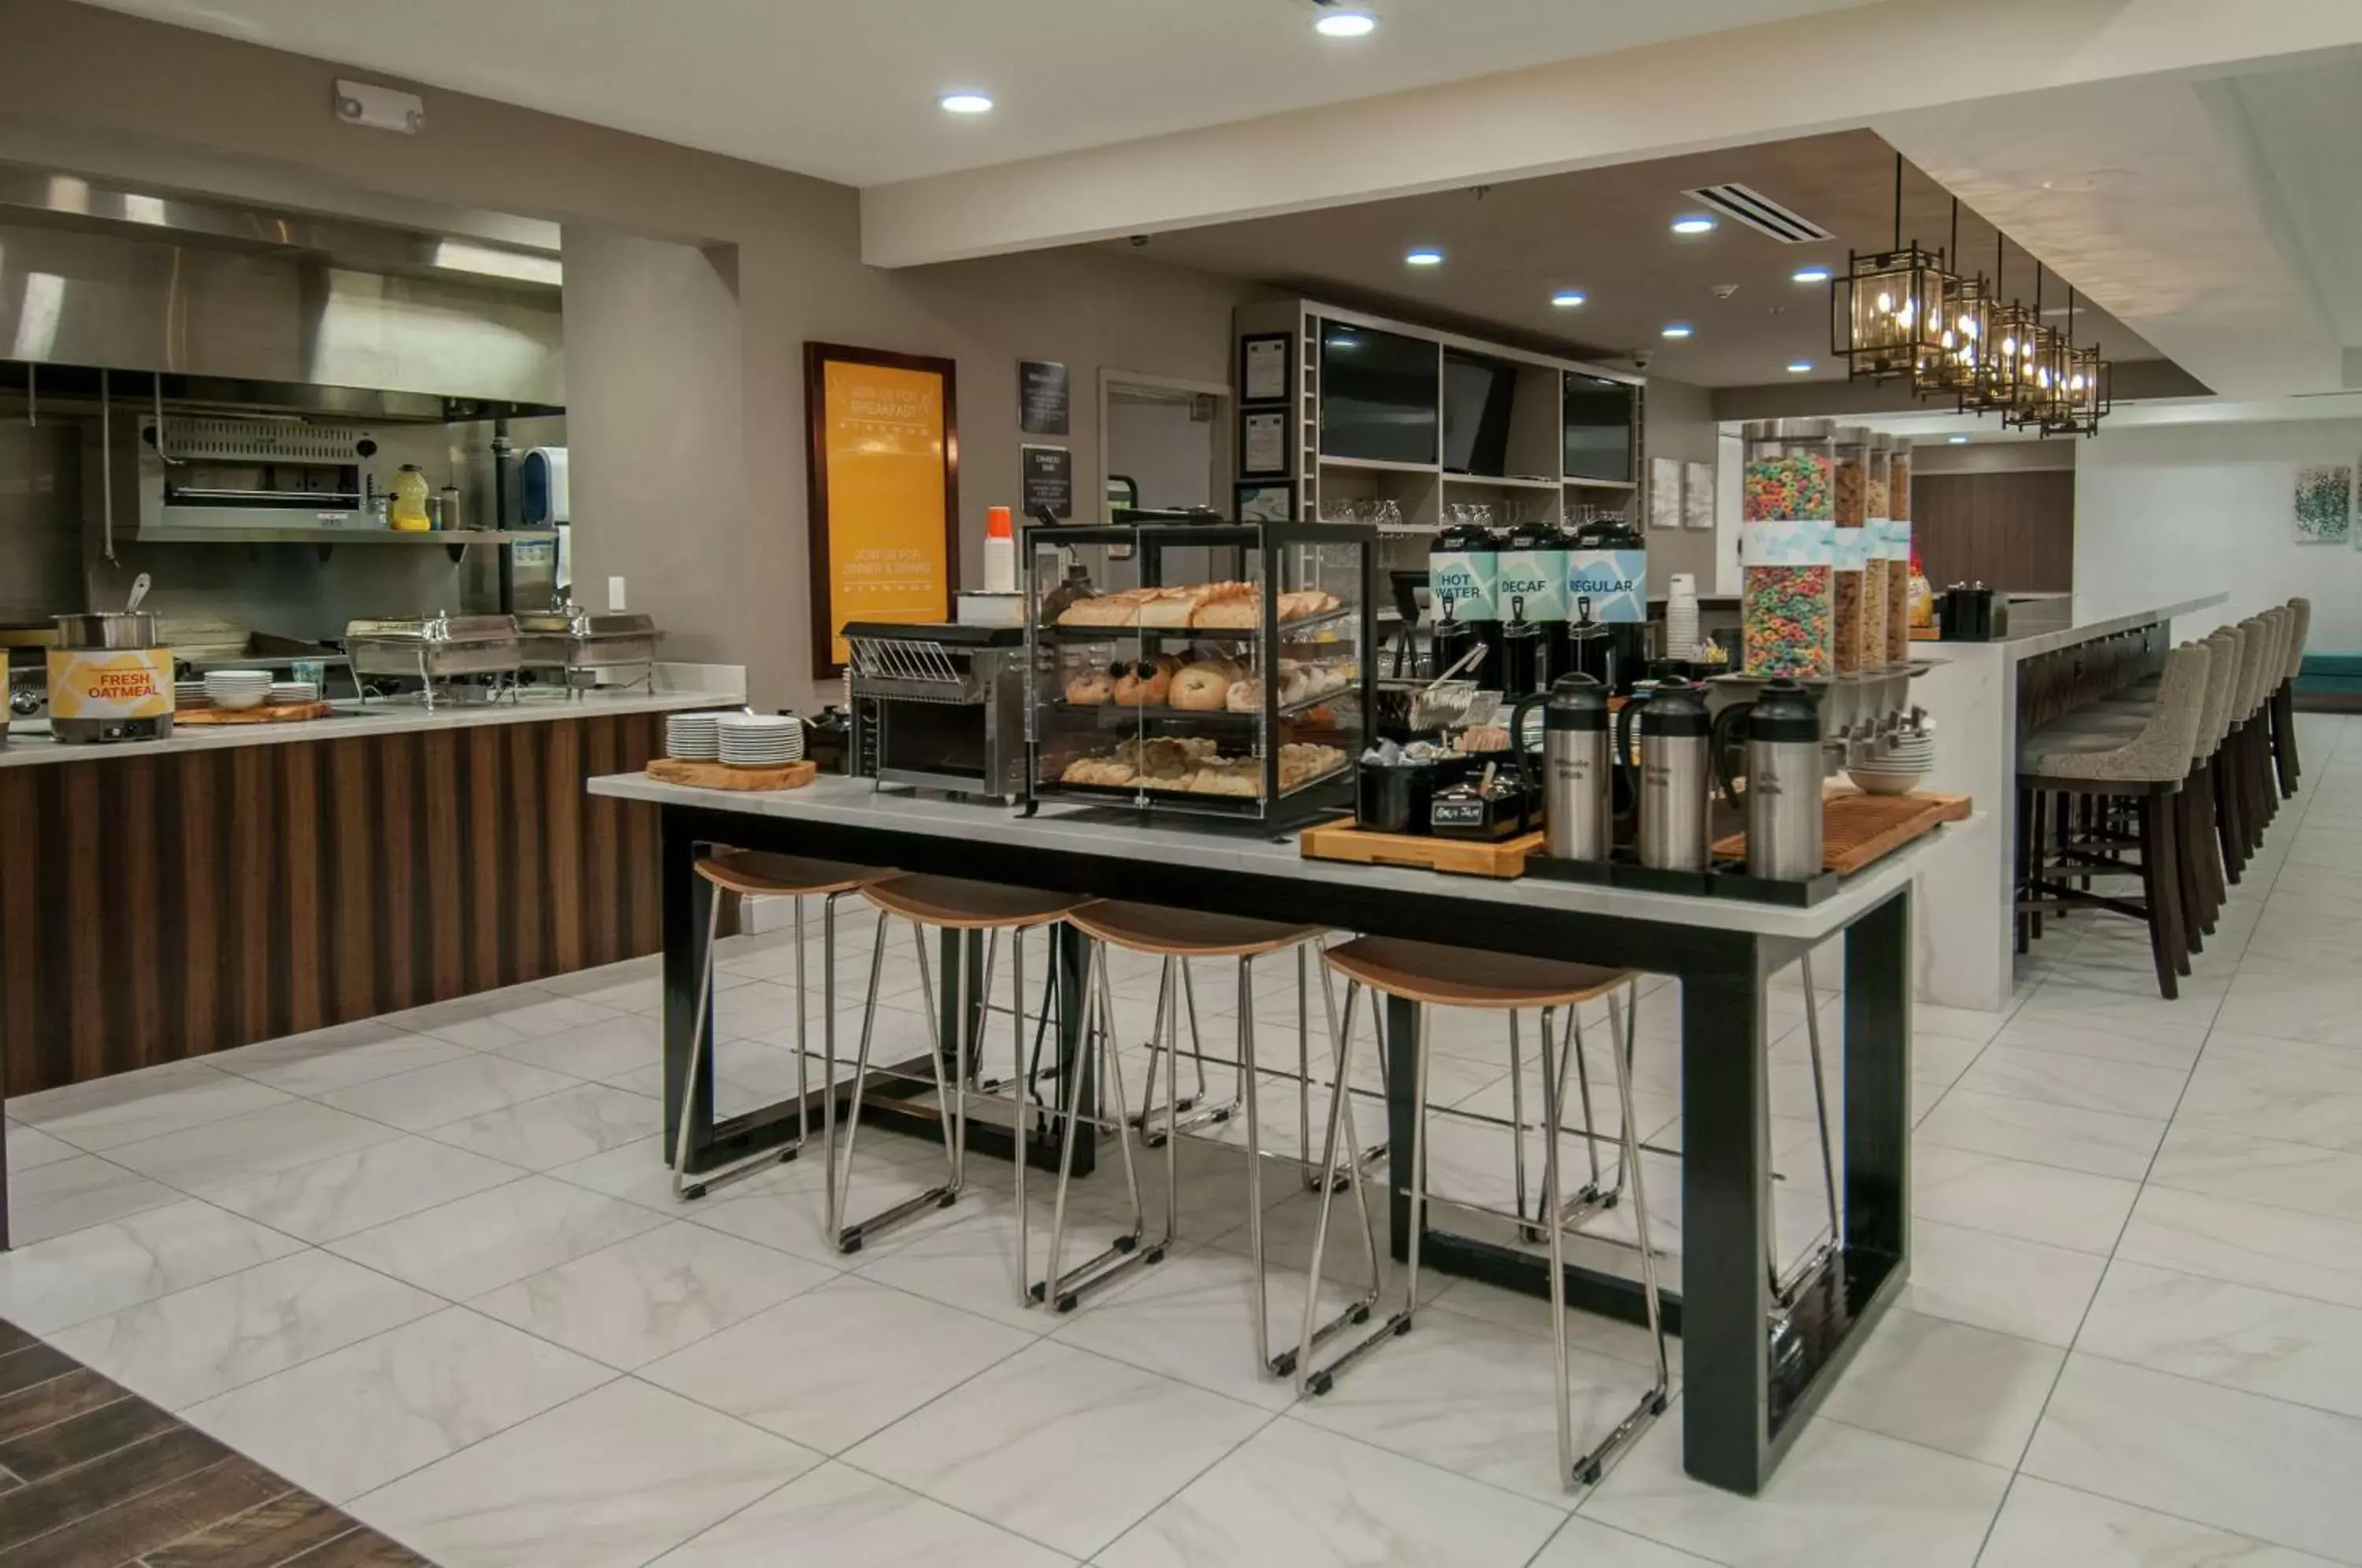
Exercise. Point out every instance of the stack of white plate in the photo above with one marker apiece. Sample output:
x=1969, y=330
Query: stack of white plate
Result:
x=189, y=694
x=292, y=693
x=692, y=737
x=761, y=740
x=237, y=687
x=1897, y=766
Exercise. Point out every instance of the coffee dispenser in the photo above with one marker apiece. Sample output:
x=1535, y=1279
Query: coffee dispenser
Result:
x=1573, y=781
x=1784, y=764
x=1675, y=774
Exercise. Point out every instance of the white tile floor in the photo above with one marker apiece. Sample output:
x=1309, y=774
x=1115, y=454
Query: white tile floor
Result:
x=430, y=1267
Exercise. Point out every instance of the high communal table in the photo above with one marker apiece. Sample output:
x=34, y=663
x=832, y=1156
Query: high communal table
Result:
x=1747, y=1392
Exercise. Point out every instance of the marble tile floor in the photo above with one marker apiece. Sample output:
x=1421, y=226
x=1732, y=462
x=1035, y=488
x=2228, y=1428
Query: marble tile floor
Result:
x=429, y=1269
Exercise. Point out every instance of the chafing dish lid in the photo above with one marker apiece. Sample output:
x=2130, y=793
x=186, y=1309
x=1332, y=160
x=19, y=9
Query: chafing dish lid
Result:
x=436, y=628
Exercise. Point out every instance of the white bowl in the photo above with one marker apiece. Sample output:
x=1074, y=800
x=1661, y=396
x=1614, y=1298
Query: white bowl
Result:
x=248, y=698
x=1871, y=781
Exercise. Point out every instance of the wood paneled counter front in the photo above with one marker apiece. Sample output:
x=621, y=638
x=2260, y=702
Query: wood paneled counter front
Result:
x=164, y=901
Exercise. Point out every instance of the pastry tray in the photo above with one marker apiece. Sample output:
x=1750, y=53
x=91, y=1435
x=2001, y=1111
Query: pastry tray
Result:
x=1134, y=792
x=1167, y=715
x=1287, y=629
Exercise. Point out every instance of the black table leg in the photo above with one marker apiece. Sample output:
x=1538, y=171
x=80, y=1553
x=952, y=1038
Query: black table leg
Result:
x=1878, y=1083
x=1725, y=1209
x=686, y=903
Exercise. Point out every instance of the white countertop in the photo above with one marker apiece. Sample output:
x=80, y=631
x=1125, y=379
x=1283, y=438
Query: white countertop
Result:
x=2048, y=638
x=857, y=803
x=358, y=719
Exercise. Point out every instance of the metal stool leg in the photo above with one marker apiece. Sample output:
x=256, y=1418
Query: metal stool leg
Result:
x=1587, y=1470
x=1020, y=1112
x=1518, y=1120
x=851, y=1238
x=1063, y=1287
x=1284, y=1364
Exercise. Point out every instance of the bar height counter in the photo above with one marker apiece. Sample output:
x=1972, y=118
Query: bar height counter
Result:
x=1745, y=1399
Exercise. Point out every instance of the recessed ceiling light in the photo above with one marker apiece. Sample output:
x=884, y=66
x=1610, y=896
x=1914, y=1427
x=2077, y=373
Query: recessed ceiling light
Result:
x=1567, y=299
x=1345, y=25
x=966, y=103
x=1425, y=256
x=1810, y=275
x=1957, y=440
x=1677, y=329
x=2089, y=180
x=1800, y=367
x=1694, y=222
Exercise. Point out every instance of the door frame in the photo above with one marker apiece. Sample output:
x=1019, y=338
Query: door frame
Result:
x=1218, y=481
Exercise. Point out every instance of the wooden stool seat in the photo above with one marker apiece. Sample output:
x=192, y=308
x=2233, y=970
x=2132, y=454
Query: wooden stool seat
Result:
x=768, y=876
x=953, y=903
x=1460, y=977
x=1185, y=933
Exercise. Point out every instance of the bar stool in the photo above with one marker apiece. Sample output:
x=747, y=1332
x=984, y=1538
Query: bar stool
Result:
x=2284, y=696
x=1430, y=975
x=2147, y=769
x=940, y=903
x=1174, y=938
x=759, y=875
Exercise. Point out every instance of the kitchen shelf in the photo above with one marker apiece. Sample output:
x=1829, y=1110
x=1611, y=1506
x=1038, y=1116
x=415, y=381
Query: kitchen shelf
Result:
x=298, y=533
x=1287, y=709
x=1378, y=465
x=1287, y=630
x=1503, y=482
x=1573, y=483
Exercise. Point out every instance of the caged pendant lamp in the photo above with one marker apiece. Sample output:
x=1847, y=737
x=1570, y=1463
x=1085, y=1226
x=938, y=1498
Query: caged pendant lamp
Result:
x=1886, y=315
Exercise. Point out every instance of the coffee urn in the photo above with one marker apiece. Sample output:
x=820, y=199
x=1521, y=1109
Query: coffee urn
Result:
x=1782, y=729
x=1578, y=823
x=1676, y=774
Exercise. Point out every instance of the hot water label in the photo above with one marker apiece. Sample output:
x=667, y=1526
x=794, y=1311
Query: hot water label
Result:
x=1468, y=581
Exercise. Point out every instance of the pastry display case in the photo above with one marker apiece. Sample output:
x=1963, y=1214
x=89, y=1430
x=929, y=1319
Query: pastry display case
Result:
x=1198, y=668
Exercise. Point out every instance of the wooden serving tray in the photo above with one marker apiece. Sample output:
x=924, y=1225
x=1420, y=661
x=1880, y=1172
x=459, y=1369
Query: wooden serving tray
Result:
x=285, y=713
x=1858, y=828
x=1342, y=840
x=721, y=776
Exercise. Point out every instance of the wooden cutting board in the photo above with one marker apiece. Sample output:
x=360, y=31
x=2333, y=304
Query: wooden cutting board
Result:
x=1857, y=828
x=721, y=776
x=1342, y=840
x=284, y=713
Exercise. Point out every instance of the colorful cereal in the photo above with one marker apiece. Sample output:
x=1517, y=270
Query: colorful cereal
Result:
x=1785, y=619
x=1788, y=487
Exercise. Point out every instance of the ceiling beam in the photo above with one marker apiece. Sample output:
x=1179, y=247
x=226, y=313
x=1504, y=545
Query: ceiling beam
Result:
x=1833, y=70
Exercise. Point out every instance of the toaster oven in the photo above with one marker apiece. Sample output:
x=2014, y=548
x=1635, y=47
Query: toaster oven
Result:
x=939, y=706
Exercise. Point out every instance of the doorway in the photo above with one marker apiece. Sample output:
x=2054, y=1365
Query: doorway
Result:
x=1163, y=444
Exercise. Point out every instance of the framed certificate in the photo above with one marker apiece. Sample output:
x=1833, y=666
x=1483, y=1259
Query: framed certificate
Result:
x=1264, y=367
x=1266, y=503
x=1262, y=443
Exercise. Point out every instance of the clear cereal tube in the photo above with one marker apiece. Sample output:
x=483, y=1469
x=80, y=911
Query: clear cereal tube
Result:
x=1898, y=553
x=1849, y=600
x=1787, y=548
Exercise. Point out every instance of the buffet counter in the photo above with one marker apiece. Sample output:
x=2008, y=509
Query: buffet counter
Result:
x=1743, y=1405
x=234, y=883
x=1972, y=693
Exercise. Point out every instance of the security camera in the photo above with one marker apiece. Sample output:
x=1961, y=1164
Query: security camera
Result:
x=1139, y=241
x=1640, y=358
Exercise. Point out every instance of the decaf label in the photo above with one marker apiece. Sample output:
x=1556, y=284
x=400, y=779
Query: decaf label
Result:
x=1614, y=581
x=1537, y=577
x=1466, y=579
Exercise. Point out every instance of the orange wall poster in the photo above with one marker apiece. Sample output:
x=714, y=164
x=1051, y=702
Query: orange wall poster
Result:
x=885, y=491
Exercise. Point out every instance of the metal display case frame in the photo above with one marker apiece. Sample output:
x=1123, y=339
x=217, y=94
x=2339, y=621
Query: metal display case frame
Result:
x=1295, y=555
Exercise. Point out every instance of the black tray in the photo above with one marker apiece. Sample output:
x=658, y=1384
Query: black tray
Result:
x=1722, y=880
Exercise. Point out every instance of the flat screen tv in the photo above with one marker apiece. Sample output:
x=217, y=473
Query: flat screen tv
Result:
x=1379, y=393
x=1477, y=397
x=1599, y=428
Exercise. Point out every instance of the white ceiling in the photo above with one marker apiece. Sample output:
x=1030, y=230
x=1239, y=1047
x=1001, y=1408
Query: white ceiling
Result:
x=846, y=89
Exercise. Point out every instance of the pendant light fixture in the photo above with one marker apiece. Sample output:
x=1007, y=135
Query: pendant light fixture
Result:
x=2083, y=398
x=1886, y=314
x=1963, y=338
x=2038, y=370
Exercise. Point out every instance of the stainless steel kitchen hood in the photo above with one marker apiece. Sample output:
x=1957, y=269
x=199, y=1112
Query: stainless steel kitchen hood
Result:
x=93, y=276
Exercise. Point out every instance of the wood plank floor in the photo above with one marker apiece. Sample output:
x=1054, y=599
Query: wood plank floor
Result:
x=93, y=1476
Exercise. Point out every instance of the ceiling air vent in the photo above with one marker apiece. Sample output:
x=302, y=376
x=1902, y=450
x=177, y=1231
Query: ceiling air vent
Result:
x=1759, y=213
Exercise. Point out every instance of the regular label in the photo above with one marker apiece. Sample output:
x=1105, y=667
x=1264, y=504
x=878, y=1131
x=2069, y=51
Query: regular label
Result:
x=1538, y=577
x=1801, y=543
x=1898, y=539
x=1614, y=581
x=1467, y=580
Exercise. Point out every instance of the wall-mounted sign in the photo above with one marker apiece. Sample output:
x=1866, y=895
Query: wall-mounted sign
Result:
x=1044, y=398
x=1262, y=443
x=1263, y=367
x=1049, y=480
x=883, y=476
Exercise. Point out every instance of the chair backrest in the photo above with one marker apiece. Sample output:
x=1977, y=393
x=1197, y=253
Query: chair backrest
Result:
x=2300, y=619
x=2222, y=670
x=2181, y=704
x=2276, y=622
x=2254, y=648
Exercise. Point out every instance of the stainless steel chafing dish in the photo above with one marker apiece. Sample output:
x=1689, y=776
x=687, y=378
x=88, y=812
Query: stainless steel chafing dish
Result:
x=435, y=648
x=567, y=637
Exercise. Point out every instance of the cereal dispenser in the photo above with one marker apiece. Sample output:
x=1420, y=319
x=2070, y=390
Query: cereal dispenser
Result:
x=1898, y=551
x=1853, y=540
x=1787, y=548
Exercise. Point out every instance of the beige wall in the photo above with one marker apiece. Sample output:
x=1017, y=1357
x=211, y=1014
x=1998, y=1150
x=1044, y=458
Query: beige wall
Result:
x=795, y=245
x=1678, y=421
